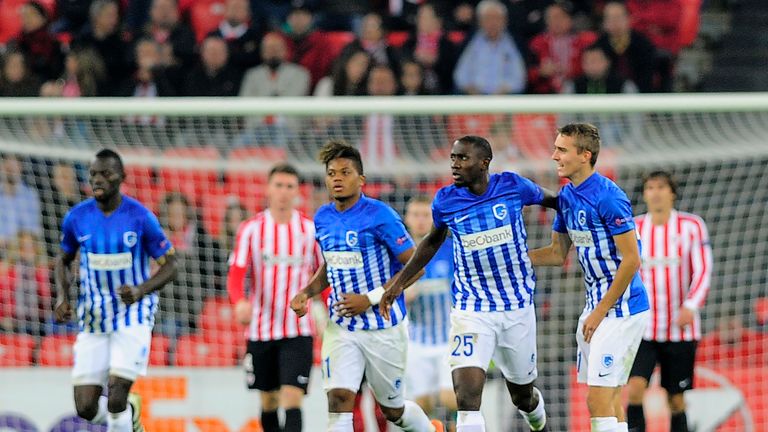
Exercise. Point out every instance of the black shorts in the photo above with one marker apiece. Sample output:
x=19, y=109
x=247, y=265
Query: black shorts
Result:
x=272, y=364
x=675, y=359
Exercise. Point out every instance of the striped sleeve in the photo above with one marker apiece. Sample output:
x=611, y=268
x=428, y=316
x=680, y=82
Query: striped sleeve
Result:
x=239, y=260
x=701, y=265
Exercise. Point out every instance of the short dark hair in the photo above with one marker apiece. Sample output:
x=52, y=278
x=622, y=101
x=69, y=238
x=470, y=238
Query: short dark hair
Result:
x=111, y=154
x=586, y=137
x=340, y=149
x=283, y=168
x=480, y=144
x=662, y=175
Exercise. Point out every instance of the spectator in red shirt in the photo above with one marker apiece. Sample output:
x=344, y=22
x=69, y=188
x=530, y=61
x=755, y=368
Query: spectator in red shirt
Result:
x=242, y=36
x=25, y=291
x=659, y=20
x=306, y=45
x=430, y=47
x=556, y=53
x=38, y=45
x=632, y=55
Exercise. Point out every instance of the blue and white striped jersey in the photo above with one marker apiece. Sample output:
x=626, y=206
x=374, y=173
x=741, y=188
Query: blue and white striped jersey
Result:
x=493, y=271
x=429, y=313
x=114, y=251
x=591, y=214
x=360, y=246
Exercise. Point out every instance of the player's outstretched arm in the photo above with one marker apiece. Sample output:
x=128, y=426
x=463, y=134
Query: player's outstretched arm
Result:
x=165, y=274
x=626, y=244
x=317, y=284
x=413, y=269
x=554, y=254
x=549, y=200
x=63, y=278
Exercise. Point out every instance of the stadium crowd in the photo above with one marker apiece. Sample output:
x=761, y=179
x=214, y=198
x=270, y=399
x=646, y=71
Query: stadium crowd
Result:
x=158, y=48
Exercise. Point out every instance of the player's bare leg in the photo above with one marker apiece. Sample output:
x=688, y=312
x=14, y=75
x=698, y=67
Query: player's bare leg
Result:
x=618, y=409
x=601, y=408
x=411, y=418
x=678, y=421
x=290, y=399
x=120, y=417
x=89, y=403
x=270, y=402
x=468, y=385
x=635, y=417
x=530, y=403
x=341, y=402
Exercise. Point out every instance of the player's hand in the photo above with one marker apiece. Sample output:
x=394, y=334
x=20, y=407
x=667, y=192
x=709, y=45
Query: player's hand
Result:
x=243, y=312
x=591, y=323
x=351, y=304
x=684, y=317
x=130, y=294
x=389, y=297
x=299, y=304
x=62, y=311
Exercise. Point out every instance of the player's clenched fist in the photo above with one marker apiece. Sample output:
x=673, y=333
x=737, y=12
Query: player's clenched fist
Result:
x=389, y=297
x=63, y=310
x=299, y=304
x=130, y=294
x=243, y=312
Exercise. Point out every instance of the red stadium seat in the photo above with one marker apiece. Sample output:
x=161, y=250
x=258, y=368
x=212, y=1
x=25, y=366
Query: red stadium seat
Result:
x=158, y=351
x=205, y=16
x=195, y=351
x=201, y=175
x=16, y=350
x=337, y=41
x=689, y=22
x=56, y=350
x=217, y=320
x=397, y=39
x=470, y=124
x=213, y=204
x=457, y=37
x=761, y=310
x=534, y=134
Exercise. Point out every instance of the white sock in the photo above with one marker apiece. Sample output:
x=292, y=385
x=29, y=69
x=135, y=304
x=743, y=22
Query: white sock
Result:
x=120, y=422
x=413, y=419
x=470, y=421
x=537, y=418
x=101, y=414
x=622, y=427
x=604, y=424
x=340, y=422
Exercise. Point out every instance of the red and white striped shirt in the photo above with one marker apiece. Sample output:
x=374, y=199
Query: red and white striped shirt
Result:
x=676, y=270
x=282, y=259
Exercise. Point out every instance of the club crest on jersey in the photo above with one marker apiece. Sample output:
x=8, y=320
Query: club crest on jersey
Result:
x=500, y=211
x=130, y=238
x=607, y=360
x=582, y=217
x=351, y=238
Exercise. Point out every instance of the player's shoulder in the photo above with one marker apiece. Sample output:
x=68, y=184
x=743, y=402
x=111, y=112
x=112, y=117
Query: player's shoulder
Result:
x=323, y=212
x=377, y=209
x=83, y=207
x=691, y=219
x=253, y=221
x=606, y=189
x=135, y=207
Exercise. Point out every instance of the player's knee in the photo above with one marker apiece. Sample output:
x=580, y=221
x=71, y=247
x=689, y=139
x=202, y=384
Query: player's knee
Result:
x=87, y=409
x=636, y=390
x=291, y=397
x=341, y=400
x=392, y=414
x=270, y=401
x=117, y=403
x=525, y=401
x=677, y=403
x=468, y=397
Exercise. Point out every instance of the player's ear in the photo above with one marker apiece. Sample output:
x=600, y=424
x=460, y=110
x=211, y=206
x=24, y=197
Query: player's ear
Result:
x=362, y=180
